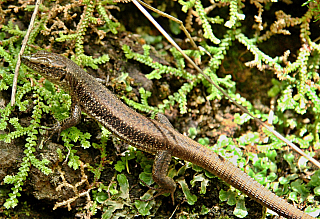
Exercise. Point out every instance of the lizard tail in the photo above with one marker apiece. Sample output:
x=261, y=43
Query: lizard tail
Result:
x=231, y=174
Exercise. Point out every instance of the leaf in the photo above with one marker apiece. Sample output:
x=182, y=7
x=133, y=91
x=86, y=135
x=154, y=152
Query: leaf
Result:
x=300, y=188
x=191, y=199
x=112, y=207
x=240, y=210
x=119, y=166
x=144, y=207
x=101, y=197
x=146, y=177
x=203, y=180
x=73, y=161
x=174, y=27
x=315, y=179
x=124, y=186
x=228, y=196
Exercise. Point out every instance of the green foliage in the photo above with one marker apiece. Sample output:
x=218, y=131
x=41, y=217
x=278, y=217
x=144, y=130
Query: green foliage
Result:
x=29, y=133
x=234, y=14
x=295, y=89
x=103, y=155
x=231, y=198
x=144, y=105
x=264, y=170
x=123, y=79
x=91, y=62
x=180, y=96
x=191, y=199
x=75, y=135
x=315, y=7
x=208, y=33
x=123, y=164
x=12, y=29
x=227, y=196
x=192, y=132
x=109, y=25
x=88, y=18
x=159, y=68
x=120, y=191
x=187, y=5
x=300, y=189
x=203, y=180
x=144, y=207
x=240, y=210
x=124, y=186
x=43, y=99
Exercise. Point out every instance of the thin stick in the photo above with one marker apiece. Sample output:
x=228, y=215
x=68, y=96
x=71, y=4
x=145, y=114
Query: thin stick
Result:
x=182, y=27
x=24, y=44
x=278, y=135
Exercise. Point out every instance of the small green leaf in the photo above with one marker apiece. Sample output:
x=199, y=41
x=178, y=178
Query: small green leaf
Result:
x=317, y=190
x=275, y=90
x=315, y=179
x=301, y=188
x=228, y=196
x=191, y=199
x=314, y=212
x=119, y=166
x=240, y=210
x=144, y=207
x=204, y=141
x=112, y=206
x=204, y=210
x=73, y=161
x=293, y=196
x=204, y=182
x=101, y=197
x=192, y=132
x=146, y=177
x=124, y=186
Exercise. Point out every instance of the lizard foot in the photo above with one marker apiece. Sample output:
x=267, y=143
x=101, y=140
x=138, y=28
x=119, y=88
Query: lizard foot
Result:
x=56, y=128
x=160, y=191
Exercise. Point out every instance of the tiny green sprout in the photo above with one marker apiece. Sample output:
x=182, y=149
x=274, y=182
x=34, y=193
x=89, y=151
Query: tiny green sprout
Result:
x=192, y=132
x=119, y=166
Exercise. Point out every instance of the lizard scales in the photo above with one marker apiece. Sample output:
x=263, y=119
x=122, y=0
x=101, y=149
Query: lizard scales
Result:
x=157, y=137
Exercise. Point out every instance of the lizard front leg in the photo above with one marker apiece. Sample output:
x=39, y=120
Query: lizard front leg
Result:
x=72, y=120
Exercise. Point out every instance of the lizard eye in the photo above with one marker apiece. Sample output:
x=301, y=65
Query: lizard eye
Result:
x=42, y=66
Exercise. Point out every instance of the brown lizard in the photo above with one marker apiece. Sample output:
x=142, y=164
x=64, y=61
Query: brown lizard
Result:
x=154, y=136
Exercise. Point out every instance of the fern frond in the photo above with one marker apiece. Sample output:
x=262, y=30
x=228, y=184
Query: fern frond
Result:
x=208, y=33
x=112, y=26
x=234, y=14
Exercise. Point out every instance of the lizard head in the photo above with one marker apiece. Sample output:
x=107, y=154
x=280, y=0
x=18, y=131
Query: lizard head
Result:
x=50, y=65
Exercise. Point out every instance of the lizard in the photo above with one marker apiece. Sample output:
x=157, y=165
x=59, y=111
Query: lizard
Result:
x=156, y=136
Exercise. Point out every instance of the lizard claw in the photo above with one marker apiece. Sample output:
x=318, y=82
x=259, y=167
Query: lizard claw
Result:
x=160, y=191
x=56, y=128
